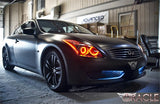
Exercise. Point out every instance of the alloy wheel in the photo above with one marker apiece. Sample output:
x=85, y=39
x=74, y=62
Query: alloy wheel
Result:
x=53, y=70
x=6, y=63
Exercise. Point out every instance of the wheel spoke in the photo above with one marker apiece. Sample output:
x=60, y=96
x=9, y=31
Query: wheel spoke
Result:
x=49, y=76
x=58, y=72
x=58, y=68
x=58, y=61
x=55, y=80
x=47, y=65
x=54, y=61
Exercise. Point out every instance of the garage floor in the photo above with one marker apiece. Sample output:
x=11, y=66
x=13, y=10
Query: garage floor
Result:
x=24, y=87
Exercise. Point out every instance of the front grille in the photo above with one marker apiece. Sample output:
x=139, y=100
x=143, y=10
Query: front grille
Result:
x=124, y=53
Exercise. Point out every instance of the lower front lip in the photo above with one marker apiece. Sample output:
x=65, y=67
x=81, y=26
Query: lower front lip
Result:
x=111, y=74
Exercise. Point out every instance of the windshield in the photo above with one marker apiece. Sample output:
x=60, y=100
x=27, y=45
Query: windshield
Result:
x=52, y=26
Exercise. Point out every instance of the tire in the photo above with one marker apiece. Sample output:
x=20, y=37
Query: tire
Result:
x=54, y=71
x=5, y=57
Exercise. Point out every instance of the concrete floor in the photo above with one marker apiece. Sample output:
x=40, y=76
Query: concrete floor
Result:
x=24, y=87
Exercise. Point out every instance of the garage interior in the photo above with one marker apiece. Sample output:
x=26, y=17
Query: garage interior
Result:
x=129, y=19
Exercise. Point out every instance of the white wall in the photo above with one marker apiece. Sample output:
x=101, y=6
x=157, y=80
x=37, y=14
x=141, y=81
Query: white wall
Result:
x=1, y=35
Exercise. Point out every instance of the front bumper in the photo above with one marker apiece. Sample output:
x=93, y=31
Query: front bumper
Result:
x=89, y=71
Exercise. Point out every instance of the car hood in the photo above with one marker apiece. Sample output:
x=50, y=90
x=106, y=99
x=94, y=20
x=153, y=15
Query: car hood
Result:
x=100, y=41
x=104, y=42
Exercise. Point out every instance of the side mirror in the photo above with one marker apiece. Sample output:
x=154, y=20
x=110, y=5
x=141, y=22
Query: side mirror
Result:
x=29, y=31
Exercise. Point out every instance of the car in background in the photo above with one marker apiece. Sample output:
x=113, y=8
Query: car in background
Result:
x=67, y=54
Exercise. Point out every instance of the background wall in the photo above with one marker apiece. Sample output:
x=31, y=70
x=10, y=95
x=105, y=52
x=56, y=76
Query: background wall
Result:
x=147, y=17
x=13, y=17
x=147, y=13
x=72, y=5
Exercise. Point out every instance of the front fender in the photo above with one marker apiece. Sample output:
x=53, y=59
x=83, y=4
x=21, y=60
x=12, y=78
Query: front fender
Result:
x=41, y=50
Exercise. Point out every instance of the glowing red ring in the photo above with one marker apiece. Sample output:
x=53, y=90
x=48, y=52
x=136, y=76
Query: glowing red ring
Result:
x=94, y=54
x=83, y=50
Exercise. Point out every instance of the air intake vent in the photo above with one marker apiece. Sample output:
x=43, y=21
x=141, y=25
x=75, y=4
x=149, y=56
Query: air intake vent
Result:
x=123, y=53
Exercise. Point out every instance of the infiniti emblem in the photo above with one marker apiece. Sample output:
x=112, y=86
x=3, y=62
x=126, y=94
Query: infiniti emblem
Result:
x=133, y=65
x=131, y=53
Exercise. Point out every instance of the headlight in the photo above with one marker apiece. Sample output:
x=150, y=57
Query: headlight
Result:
x=83, y=49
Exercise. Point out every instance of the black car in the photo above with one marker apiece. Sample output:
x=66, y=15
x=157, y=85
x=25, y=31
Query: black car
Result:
x=67, y=54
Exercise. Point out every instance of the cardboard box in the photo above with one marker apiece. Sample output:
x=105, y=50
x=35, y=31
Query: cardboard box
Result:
x=102, y=29
x=94, y=27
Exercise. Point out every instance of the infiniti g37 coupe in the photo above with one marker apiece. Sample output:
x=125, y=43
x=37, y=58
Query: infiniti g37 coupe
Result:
x=67, y=54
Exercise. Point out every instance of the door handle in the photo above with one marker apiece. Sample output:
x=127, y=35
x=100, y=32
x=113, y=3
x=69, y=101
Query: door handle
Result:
x=17, y=41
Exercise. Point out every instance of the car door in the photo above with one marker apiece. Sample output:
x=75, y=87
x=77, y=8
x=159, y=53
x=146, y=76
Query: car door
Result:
x=25, y=48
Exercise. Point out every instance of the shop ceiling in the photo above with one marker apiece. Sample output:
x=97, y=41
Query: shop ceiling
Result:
x=5, y=2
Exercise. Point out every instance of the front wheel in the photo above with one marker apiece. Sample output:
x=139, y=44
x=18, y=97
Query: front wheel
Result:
x=5, y=57
x=54, y=71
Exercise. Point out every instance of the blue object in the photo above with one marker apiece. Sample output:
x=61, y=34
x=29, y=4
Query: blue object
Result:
x=111, y=75
x=141, y=70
